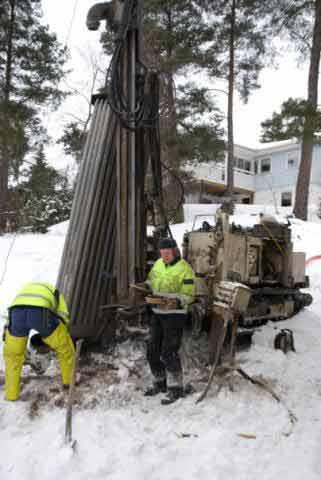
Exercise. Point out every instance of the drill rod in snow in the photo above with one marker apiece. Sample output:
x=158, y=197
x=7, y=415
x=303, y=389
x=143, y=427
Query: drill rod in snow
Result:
x=68, y=429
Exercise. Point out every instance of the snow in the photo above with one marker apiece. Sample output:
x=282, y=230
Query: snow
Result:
x=245, y=434
x=244, y=214
x=281, y=143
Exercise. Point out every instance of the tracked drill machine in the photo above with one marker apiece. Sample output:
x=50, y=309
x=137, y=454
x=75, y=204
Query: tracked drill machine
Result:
x=251, y=271
x=106, y=242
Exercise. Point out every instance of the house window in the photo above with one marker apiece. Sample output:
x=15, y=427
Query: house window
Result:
x=242, y=164
x=265, y=165
x=238, y=162
x=286, y=199
x=247, y=165
x=292, y=160
x=256, y=166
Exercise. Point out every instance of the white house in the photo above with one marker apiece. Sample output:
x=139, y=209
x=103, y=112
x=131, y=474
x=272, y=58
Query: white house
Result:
x=266, y=175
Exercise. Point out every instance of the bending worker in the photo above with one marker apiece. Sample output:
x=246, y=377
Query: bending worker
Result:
x=40, y=307
x=172, y=279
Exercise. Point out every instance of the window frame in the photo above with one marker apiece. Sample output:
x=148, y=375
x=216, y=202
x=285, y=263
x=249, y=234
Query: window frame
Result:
x=242, y=163
x=290, y=193
x=248, y=163
x=295, y=157
x=265, y=172
x=256, y=167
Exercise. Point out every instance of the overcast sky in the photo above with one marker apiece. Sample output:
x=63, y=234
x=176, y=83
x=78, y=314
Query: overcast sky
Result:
x=68, y=19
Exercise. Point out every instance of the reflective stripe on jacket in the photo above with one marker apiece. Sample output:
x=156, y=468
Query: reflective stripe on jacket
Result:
x=177, y=278
x=42, y=295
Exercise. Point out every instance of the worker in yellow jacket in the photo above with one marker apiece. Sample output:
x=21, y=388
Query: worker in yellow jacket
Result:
x=40, y=307
x=171, y=278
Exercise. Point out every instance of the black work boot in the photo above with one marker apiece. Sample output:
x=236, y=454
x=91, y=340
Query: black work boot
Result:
x=173, y=394
x=158, y=387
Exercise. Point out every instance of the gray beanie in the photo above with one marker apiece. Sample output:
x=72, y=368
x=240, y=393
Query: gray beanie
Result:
x=167, y=243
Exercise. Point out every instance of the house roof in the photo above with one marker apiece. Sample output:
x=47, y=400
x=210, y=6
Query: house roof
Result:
x=266, y=148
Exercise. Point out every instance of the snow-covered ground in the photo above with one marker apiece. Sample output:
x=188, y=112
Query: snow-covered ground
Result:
x=121, y=434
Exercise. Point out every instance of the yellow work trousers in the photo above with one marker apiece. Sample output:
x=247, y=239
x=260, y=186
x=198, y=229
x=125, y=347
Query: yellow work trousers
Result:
x=62, y=343
x=14, y=357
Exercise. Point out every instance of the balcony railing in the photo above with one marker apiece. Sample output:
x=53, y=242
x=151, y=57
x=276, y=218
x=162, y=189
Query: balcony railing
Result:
x=217, y=173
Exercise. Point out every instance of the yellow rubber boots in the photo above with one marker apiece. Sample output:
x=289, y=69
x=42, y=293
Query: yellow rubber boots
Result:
x=14, y=357
x=61, y=342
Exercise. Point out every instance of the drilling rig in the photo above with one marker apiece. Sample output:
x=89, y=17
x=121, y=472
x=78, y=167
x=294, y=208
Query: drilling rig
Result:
x=106, y=241
x=259, y=257
x=249, y=275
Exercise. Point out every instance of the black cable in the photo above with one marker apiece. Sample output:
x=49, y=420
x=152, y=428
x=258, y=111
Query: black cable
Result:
x=144, y=114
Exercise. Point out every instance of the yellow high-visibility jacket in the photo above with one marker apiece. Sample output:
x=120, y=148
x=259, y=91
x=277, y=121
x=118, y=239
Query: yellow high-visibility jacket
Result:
x=42, y=295
x=173, y=280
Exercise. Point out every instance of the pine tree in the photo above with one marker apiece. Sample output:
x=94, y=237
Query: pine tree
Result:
x=73, y=140
x=47, y=195
x=241, y=33
x=176, y=43
x=75, y=133
x=301, y=21
x=42, y=178
x=176, y=36
x=290, y=121
x=303, y=182
x=31, y=65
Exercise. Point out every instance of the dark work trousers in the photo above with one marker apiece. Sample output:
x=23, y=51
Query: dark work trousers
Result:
x=22, y=319
x=166, y=331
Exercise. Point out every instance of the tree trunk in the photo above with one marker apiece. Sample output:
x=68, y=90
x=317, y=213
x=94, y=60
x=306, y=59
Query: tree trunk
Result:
x=303, y=182
x=4, y=151
x=172, y=190
x=230, y=139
